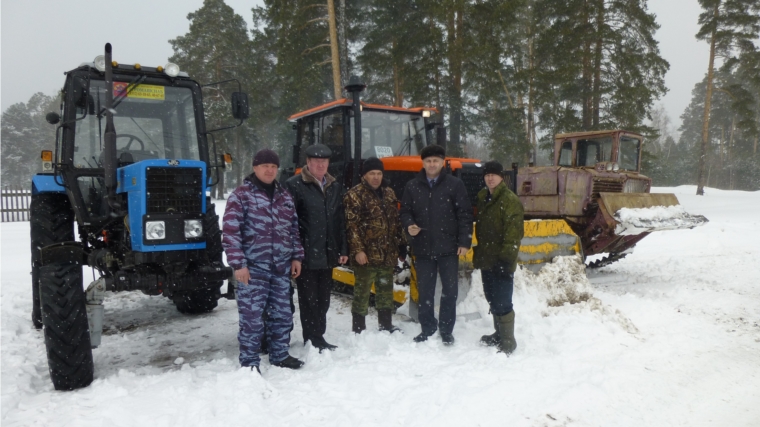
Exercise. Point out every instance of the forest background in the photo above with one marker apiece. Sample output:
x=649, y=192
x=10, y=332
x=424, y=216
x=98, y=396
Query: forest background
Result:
x=506, y=75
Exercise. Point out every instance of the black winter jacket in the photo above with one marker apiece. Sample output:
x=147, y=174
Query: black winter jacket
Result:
x=444, y=213
x=321, y=220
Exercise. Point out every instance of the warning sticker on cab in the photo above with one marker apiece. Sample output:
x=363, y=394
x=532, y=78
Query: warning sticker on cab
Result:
x=142, y=91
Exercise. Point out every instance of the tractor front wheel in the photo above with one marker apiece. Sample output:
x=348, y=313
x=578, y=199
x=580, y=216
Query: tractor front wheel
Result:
x=64, y=316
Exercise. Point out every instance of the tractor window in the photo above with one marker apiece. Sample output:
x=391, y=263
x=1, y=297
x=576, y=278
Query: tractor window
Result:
x=390, y=134
x=566, y=154
x=588, y=153
x=330, y=133
x=152, y=122
x=628, y=159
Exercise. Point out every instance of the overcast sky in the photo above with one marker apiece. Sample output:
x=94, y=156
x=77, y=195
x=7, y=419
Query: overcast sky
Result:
x=43, y=38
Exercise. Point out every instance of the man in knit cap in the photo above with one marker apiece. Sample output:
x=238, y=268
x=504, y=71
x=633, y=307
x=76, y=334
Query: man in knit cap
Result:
x=375, y=244
x=263, y=246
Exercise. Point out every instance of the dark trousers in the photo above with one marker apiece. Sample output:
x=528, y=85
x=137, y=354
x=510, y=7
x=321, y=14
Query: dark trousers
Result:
x=314, y=288
x=427, y=270
x=498, y=285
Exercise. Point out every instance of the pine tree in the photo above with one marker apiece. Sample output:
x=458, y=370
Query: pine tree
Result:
x=25, y=133
x=730, y=26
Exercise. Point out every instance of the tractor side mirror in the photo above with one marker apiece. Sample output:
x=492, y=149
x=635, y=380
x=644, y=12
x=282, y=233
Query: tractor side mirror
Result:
x=240, y=105
x=52, y=118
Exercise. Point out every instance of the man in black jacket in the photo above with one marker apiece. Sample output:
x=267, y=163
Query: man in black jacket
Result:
x=437, y=213
x=319, y=204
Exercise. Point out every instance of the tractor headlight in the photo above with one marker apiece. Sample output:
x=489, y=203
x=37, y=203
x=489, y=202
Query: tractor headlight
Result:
x=155, y=230
x=609, y=167
x=426, y=113
x=193, y=228
x=100, y=62
x=171, y=69
x=615, y=167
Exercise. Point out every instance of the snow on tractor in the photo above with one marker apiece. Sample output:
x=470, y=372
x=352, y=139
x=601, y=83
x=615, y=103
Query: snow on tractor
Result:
x=593, y=200
x=131, y=168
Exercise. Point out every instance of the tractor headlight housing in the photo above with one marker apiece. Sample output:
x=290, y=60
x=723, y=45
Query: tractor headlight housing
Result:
x=100, y=62
x=615, y=167
x=608, y=166
x=193, y=228
x=155, y=230
x=171, y=69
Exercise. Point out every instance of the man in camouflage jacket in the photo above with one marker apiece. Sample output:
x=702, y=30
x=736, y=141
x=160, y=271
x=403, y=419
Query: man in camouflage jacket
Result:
x=375, y=244
x=263, y=246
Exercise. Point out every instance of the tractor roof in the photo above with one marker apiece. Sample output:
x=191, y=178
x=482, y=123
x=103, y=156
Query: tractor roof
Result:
x=345, y=102
x=593, y=133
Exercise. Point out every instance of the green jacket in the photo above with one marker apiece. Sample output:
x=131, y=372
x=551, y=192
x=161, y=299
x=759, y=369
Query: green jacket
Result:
x=498, y=228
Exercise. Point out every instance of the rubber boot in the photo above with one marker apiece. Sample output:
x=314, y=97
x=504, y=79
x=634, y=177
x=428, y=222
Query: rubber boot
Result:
x=507, y=343
x=358, y=323
x=493, y=339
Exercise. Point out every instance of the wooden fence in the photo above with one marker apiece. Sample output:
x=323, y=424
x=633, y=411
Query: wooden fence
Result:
x=15, y=204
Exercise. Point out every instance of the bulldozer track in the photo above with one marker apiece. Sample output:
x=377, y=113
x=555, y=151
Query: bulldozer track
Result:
x=606, y=260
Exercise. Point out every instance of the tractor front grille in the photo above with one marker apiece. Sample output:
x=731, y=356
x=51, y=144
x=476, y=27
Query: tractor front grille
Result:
x=174, y=190
x=471, y=175
x=607, y=185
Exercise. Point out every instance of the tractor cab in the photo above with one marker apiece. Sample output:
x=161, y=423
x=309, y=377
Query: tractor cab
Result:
x=615, y=150
x=385, y=132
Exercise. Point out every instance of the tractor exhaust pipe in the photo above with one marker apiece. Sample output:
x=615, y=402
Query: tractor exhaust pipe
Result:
x=109, y=137
x=355, y=87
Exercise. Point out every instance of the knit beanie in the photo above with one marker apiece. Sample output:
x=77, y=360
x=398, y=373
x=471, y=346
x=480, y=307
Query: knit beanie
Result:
x=372, y=164
x=266, y=156
x=433, y=150
x=493, y=167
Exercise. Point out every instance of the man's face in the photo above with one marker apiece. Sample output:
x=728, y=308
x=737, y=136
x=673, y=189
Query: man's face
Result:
x=493, y=180
x=318, y=167
x=374, y=179
x=433, y=166
x=266, y=172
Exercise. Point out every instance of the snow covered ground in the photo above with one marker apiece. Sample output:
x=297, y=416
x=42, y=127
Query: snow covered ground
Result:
x=670, y=337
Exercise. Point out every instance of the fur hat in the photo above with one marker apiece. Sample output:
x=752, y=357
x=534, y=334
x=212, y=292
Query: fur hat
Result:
x=433, y=150
x=266, y=156
x=372, y=164
x=493, y=167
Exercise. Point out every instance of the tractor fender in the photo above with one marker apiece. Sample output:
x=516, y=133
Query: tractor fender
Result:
x=46, y=184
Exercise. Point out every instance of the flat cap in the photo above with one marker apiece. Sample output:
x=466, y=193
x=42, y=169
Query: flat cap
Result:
x=318, y=151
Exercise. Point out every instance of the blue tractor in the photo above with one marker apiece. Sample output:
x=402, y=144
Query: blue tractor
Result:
x=125, y=194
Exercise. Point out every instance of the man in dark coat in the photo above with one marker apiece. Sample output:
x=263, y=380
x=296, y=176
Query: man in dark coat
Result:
x=499, y=230
x=319, y=203
x=375, y=242
x=262, y=245
x=436, y=212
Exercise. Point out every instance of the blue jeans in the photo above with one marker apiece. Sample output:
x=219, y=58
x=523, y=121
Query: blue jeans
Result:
x=498, y=285
x=269, y=292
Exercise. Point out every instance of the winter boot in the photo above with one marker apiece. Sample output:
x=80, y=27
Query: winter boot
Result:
x=493, y=339
x=358, y=323
x=321, y=344
x=289, y=362
x=507, y=343
x=448, y=339
x=384, y=320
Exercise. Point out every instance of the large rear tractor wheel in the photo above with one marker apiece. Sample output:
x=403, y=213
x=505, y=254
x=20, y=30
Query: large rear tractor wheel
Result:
x=64, y=316
x=206, y=299
x=51, y=221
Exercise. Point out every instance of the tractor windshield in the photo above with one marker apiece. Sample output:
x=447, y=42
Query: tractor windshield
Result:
x=628, y=159
x=387, y=134
x=152, y=122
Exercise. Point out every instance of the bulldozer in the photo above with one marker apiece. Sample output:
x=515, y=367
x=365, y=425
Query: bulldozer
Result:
x=571, y=207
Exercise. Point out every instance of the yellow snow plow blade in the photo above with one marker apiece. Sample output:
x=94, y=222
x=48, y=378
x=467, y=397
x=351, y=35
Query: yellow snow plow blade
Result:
x=545, y=239
x=346, y=276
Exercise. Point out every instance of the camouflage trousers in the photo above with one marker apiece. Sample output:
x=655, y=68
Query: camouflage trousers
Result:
x=382, y=277
x=268, y=292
